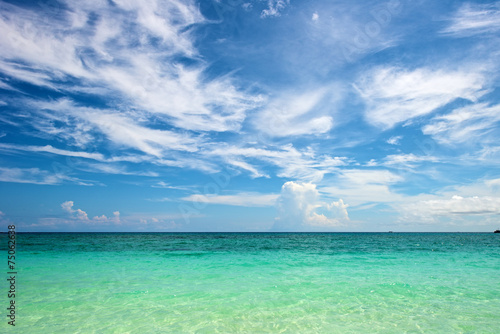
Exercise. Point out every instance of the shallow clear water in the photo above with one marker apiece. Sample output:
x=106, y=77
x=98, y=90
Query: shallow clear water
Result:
x=257, y=283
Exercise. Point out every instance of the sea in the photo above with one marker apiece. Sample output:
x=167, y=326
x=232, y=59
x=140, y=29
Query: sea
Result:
x=254, y=283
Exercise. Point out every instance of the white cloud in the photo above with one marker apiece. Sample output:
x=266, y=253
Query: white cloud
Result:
x=407, y=160
x=28, y=38
x=119, y=129
x=78, y=213
x=493, y=183
x=121, y=61
x=247, y=6
x=165, y=185
x=156, y=103
x=394, y=140
x=300, y=208
x=26, y=74
x=451, y=206
x=274, y=8
x=315, y=16
x=86, y=127
x=456, y=208
x=5, y=86
x=364, y=186
x=125, y=132
x=472, y=204
x=182, y=94
x=246, y=166
x=488, y=155
x=81, y=216
x=394, y=95
x=35, y=176
x=362, y=176
x=473, y=19
x=296, y=114
x=241, y=199
x=106, y=165
x=53, y=150
x=292, y=163
x=473, y=123
x=109, y=168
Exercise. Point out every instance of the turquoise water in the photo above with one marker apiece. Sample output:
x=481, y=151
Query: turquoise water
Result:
x=256, y=283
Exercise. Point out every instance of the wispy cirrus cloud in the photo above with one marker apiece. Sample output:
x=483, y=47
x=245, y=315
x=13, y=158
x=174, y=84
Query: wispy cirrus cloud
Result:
x=407, y=160
x=131, y=52
x=475, y=123
x=394, y=95
x=128, y=55
x=240, y=199
x=298, y=114
x=120, y=128
x=53, y=150
x=37, y=176
x=472, y=19
x=6, y=86
x=291, y=163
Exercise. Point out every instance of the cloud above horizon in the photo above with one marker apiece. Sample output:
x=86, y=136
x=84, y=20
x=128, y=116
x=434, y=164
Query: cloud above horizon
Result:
x=299, y=206
x=79, y=215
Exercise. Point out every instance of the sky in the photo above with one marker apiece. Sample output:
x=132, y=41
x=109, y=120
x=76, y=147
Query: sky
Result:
x=250, y=115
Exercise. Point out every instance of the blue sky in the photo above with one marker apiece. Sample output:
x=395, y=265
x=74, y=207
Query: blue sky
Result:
x=263, y=115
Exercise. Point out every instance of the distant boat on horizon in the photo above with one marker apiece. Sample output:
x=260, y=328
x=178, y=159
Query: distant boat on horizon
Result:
x=497, y=231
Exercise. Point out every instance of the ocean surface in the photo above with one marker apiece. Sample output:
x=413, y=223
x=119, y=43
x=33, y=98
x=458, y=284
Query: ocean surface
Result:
x=255, y=283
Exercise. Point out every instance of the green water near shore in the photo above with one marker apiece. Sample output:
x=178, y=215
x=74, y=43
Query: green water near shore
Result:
x=256, y=283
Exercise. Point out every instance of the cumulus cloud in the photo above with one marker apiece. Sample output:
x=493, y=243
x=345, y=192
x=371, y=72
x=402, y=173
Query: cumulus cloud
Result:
x=395, y=95
x=82, y=217
x=78, y=213
x=300, y=208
